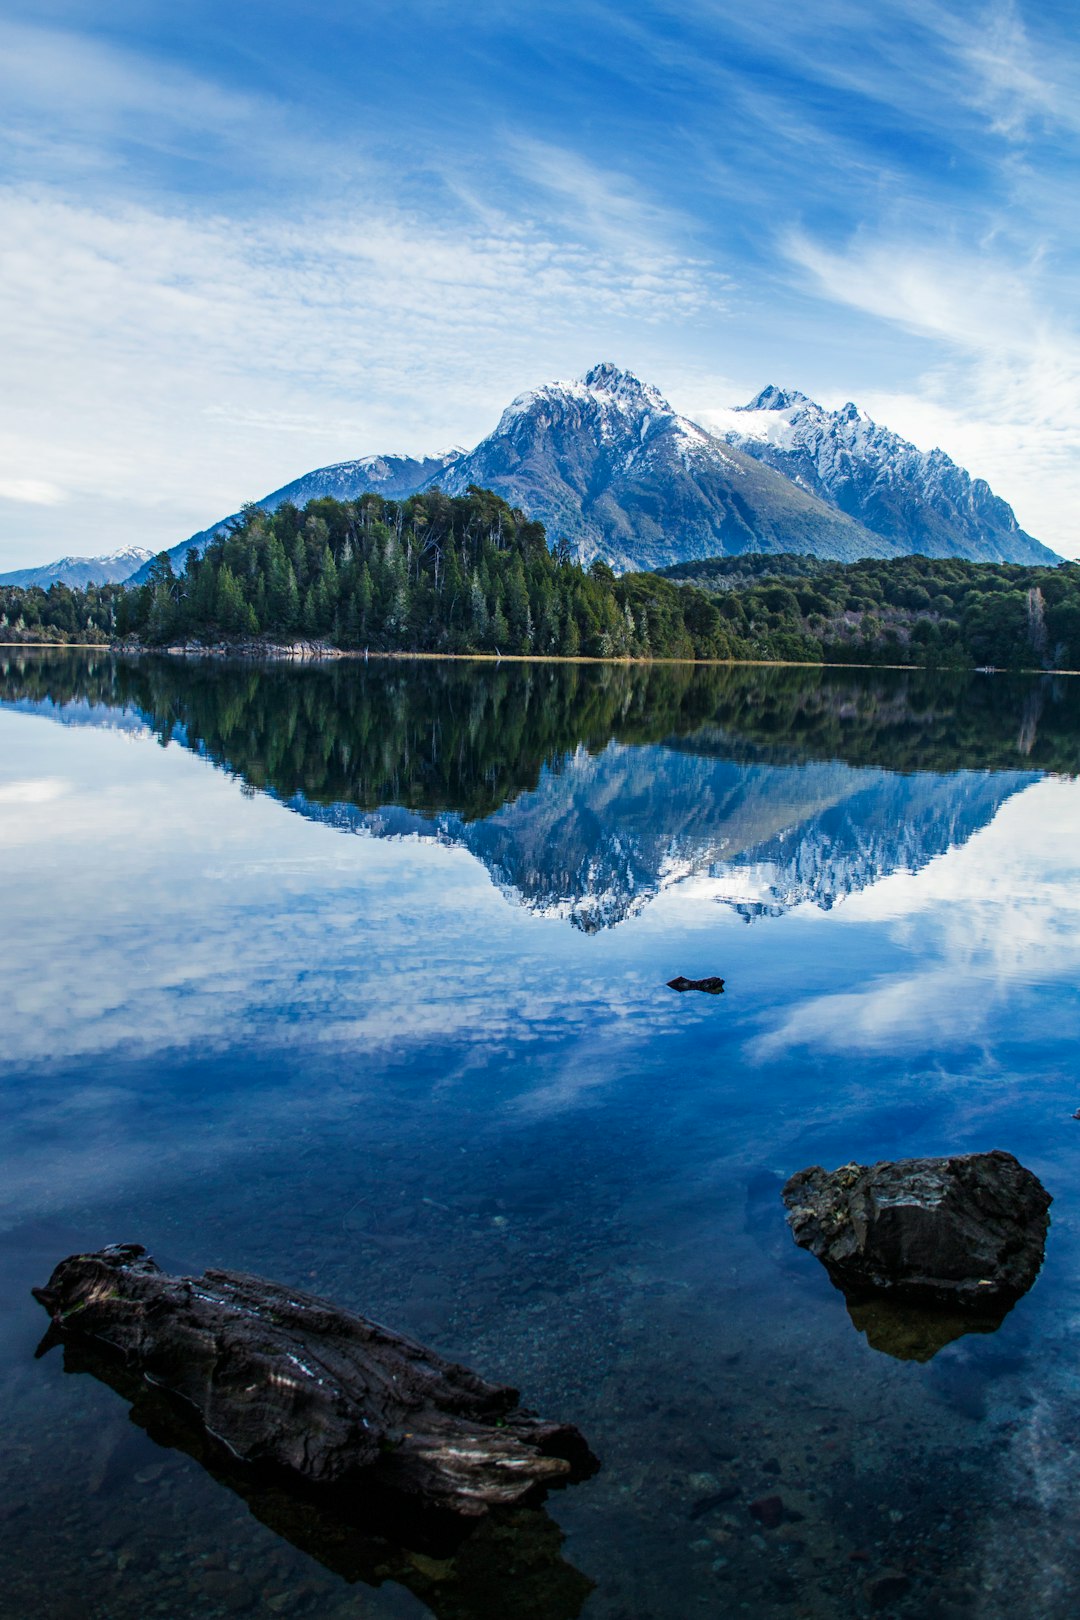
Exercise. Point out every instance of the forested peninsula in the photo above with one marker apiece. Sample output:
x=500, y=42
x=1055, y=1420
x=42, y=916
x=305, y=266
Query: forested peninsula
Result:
x=457, y=576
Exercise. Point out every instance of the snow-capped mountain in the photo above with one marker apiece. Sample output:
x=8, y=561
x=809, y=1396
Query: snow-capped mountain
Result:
x=607, y=463
x=610, y=465
x=392, y=475
x=81, y=571
x=920, y=499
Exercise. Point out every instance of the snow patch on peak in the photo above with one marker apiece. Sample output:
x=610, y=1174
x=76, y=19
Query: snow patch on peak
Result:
x=776, y=399
x=610, y=383
x=625, y=391
x=618, y=395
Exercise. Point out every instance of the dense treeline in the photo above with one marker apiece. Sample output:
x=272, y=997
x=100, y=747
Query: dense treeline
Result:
x=428, y=574
x=472, y=575
x=60, y=614
x=937, y=611
x=436, y=736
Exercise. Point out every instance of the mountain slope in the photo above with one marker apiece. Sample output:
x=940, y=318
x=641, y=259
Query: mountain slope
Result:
x=607, y=463
x=78, y=572
x=920, y=499
x=393, y=476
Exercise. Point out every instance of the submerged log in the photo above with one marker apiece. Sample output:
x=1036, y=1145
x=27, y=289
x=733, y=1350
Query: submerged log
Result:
x=289, y=1380
x=966, y=1231
x=711, y=987
x=505, y=1565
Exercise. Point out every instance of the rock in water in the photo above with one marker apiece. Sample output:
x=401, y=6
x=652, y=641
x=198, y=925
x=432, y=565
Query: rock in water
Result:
x=285, y=1379
x=711, y=987
x=967, y=1230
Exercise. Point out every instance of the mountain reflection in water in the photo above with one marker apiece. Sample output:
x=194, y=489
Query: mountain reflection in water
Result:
x=587, y=790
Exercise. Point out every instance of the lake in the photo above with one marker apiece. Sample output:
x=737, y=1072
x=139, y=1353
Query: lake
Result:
x=354, y=975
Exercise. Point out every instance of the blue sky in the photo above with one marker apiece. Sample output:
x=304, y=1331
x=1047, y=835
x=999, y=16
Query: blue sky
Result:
x=245, y=241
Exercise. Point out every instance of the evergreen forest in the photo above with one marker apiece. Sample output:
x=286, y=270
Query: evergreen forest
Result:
x=442, y=575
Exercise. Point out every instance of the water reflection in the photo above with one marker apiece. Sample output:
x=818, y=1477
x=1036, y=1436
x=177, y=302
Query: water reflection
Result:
x=586, y=792
x=348, y=1060
x=917, y=1332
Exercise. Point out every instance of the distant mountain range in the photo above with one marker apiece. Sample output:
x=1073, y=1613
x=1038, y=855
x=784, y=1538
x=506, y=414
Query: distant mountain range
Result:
x=82, y=571
x=608, y=464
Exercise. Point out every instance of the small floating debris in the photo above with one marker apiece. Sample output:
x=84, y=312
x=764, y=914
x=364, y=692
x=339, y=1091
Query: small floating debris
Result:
x=287, y=1380
x=711, y=987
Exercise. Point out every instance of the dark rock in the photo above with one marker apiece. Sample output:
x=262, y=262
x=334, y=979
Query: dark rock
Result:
x=286, y=1379
x=711, y=987
x=967, y=1231
x=886, y=1589
x=768, y=1511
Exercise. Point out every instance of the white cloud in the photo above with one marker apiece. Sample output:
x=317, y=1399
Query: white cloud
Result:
x=188, y=364
x=32, y=491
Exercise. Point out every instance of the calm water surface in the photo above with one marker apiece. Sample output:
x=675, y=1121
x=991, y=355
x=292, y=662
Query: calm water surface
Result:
x=355, y=977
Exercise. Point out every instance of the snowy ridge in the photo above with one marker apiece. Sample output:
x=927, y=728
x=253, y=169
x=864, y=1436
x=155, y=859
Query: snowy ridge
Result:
x=603, y=836
x=78, y=572
x=394, y=476
x=919, y=498
x=606, y=462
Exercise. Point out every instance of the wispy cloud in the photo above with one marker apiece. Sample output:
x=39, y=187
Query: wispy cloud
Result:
x=102, y=108
x=142, y=345
x=1015, y=81
x=607, y=205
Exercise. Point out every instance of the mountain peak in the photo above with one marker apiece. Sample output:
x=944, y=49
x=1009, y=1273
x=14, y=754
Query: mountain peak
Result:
x=620, y=398
x=622, y=388
x=776, y=399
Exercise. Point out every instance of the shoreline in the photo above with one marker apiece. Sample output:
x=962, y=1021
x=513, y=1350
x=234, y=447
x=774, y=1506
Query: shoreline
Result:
x=319, y=652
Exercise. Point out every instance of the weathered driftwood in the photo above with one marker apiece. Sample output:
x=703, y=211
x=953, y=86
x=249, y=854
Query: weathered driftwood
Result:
x=965, y=1231
x=283, y=1378
x=711, y=987
x=506, y=1565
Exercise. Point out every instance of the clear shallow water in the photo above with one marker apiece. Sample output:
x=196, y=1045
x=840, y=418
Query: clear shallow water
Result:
x=359, y=982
